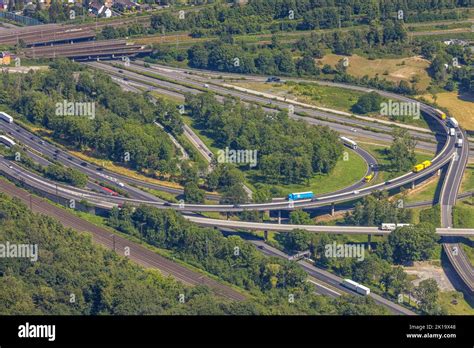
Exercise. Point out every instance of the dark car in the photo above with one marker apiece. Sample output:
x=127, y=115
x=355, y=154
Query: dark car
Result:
x=99, y=169
x=167, y=204
x=56, y=151
x=273, y=79
x=70, y=158
x=84, y=164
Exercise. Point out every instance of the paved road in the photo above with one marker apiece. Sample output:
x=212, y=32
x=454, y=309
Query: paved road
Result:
x=138, y=253
x=330, y=279
x=186, y=84
x=449, y=190
x=264, y=226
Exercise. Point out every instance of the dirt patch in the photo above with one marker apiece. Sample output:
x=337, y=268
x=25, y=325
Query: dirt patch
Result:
x=426, y=270
x=459, y=106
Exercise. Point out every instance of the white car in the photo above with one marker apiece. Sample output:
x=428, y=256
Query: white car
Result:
x=206, y=85
x=121, y=184
x=356, y=192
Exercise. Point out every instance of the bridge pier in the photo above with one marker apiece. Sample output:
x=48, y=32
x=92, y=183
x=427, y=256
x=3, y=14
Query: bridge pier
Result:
x=265, y=235
x=227, y=215
x=333, y=208
x=413, y=185
x=369, y=242
x=438, y=172
x=279, y=217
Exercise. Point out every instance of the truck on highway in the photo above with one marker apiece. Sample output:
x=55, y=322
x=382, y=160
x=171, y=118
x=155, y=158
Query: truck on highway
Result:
x=452, y=132
x=419, y=167
x=459, y=143
x=359, y=288
x=349, y=142
x=391, y=227
x=300, y=195
x=6, y=117
x=441, y=114
x=109, y=191
x=453, y=122
x=7, y=141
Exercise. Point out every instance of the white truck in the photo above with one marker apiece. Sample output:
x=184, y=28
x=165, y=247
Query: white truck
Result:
x=453, y=122
x=452, y=132
x=6, y=117
x=459, y=143
x=359, y=288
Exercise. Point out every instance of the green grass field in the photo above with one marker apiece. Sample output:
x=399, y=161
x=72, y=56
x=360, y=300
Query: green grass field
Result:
x=454, y=303
x=426, y=193
x=468, y=180
x=344, y=174
x=378, y=151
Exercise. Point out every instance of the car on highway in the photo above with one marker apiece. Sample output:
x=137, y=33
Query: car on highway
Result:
x=121, y=184
x=18, y=130
x=167, y=204
x=273, y=79
x=99, y=169
x=84, y=164
x=70, y=158
x=10, y=166
x=356, y=192
x=41, y=142
x=120, y=71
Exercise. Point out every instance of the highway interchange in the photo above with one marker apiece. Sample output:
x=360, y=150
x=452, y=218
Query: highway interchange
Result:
x=446, y=156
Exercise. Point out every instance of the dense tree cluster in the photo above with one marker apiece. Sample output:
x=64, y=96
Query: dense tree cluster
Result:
x=102, y=283
x=451, y=65
x=402, y=151
x=288, y=151
x=67, y=175
x=232, y=259
x=122, y=128
x=259, y=15
x=411, y=243
x=376, y=209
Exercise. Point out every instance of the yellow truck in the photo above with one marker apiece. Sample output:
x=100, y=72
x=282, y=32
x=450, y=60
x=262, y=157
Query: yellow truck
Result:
x=369, y=177
x=421, y=166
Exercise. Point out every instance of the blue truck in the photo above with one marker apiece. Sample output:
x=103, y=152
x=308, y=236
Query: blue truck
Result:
x=300, y=195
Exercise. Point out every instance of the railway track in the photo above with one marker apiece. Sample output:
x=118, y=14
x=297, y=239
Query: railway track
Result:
x=102, y=236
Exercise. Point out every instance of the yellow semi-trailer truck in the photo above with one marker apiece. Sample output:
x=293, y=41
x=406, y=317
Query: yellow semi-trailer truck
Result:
x=426, y=164
x=421, y=166
x=418, y=168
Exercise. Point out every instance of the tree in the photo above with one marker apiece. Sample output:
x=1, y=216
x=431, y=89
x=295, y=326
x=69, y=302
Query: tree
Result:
x=402, y=151
x=300, y=217
x=395, y=279
x=296, y=240
x=234, y=194
x=369, y=102
x=413, y=243
x=193, y=194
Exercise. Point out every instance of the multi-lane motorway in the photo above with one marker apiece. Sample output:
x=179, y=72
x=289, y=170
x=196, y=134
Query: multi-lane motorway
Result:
x=446, y=153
